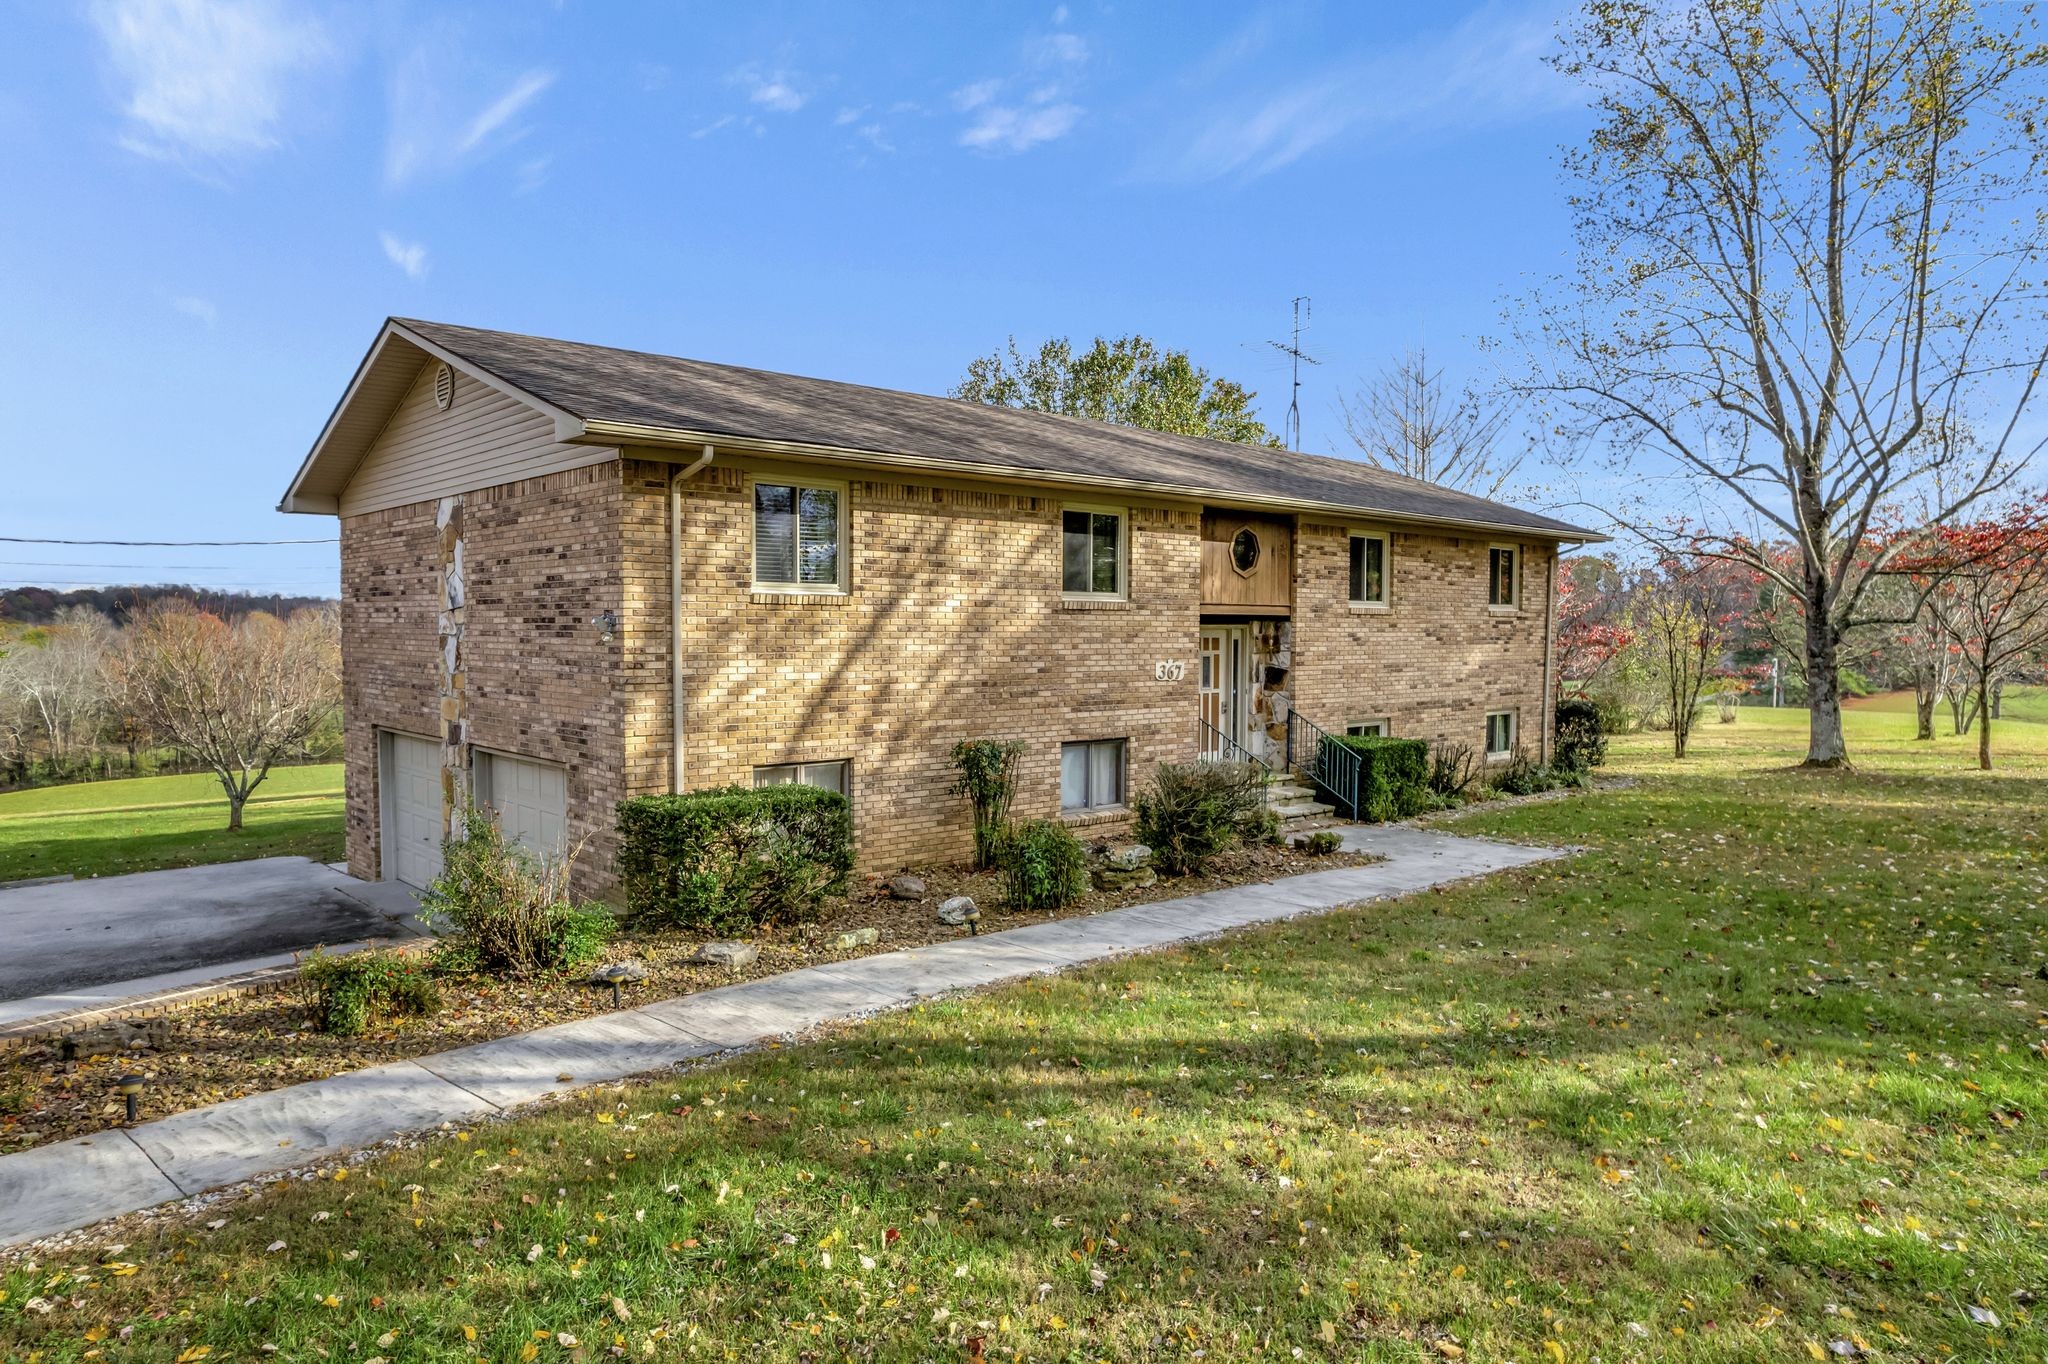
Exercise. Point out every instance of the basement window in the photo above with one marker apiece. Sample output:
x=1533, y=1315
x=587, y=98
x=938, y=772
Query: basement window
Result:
x=827, y=776
x=799, y=537
x=1500, y=734
x=1368, y=729
x=1092, y=775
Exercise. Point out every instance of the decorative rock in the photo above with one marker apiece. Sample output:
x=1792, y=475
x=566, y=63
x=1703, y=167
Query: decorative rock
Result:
x=731, y=955
x=959, y=910
x=618, y=973
x=906, y=888
x=859, y=937
x=146, y=1034
x=1130, y=857
x=1137, y=878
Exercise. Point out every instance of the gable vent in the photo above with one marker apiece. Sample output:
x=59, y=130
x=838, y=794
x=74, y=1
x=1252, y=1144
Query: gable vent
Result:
x=444, y=388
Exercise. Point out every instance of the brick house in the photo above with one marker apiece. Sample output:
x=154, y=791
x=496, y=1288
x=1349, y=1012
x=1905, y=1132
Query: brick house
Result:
x=572, y=574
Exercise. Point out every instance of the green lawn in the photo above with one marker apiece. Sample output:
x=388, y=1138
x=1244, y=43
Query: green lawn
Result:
x=1760, y=1072
x=2025, y=704
x=104, y=828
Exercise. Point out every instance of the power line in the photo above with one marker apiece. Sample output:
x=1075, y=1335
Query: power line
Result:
x=165, y=544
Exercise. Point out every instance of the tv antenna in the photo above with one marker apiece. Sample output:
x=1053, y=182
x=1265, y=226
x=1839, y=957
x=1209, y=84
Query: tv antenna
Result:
x=1293, y=351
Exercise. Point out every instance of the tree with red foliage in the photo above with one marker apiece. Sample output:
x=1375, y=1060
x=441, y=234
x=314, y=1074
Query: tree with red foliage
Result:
x=1588, y=639
x=1987, y=584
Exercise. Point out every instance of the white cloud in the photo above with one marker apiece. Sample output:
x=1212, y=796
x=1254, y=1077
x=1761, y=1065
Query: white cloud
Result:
x=974, y=96
x=1485, y=70
x=533, y=173
x=775, y=90
x=197, y=308
x=444, y=114
x=850, y=114
x=1009, y=129
x=410, y=257
x=1059, y=15
x=1005, y=121
x=206, y=80
x=504, y=109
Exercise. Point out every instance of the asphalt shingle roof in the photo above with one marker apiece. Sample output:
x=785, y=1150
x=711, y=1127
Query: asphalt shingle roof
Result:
x=599, y=383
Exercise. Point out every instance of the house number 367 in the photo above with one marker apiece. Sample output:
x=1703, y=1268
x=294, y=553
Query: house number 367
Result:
x=1169, y=670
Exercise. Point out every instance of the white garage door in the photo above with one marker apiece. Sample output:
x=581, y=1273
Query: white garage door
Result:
x=531, y=799
x=412, y=831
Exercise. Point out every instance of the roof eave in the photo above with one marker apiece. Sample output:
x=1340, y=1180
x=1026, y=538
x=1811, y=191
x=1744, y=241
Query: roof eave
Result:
x=596, y=431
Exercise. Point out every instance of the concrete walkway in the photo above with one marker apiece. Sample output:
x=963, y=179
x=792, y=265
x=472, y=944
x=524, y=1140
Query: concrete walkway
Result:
x=79, y=947
x=72, y=1184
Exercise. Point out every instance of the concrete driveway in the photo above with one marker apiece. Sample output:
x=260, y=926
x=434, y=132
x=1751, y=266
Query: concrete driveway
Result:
x=61, y=942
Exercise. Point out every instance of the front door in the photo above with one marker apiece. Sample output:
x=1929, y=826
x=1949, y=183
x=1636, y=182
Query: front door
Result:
x=1225, y=687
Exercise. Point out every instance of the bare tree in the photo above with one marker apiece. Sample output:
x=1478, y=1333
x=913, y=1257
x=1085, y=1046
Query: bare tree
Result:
x=237, y=695
x=55, y=686
x=1811, y=255
x=1406, y=421
x=1683, y=623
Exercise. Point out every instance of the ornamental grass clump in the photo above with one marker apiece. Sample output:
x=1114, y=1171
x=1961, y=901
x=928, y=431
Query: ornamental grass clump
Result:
x=510, y=910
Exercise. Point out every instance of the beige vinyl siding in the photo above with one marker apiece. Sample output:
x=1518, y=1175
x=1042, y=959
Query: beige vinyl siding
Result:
x=484, y=439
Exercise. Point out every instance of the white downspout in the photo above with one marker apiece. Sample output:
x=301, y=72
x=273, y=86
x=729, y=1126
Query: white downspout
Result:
x=675, y=613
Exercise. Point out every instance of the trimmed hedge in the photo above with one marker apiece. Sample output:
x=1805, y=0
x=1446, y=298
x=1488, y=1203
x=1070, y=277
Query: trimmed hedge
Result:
x=733, y=859
x=1581, y=742
x=1393, y=779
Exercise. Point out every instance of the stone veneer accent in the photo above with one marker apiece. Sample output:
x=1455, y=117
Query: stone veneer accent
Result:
x=954, y=628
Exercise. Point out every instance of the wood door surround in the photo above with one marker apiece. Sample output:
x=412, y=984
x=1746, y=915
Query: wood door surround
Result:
x=1266, y=586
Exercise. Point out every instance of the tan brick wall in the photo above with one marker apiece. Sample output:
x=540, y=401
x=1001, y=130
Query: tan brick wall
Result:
x=1438, y=659
x=541, y=559
x=955, y=628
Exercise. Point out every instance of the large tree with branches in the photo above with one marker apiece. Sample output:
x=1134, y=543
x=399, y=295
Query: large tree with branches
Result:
x=1810, y=279
x=1407, y=419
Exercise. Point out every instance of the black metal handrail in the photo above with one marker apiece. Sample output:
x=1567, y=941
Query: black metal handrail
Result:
x=1216, y=746
x=1333, y=769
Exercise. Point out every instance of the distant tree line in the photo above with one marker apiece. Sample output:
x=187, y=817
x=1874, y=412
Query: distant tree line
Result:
x=42, y=605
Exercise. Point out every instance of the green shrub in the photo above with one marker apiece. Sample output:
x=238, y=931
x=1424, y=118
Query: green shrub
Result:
x=1196, y=810
x=1581, y=741
x=510, y=910
x=988, y=778
x=1454, y=769
x=1042, y=865
x=1393, y=774
x=733, y=859
x=347, y=992
x=1322, y=843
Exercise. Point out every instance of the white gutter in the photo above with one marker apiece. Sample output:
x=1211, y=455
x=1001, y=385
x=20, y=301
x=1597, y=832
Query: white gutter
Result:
x=621, y=433
x=675, y=613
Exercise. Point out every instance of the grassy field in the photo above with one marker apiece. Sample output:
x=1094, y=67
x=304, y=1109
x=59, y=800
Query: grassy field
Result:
x=1758, y=1076
x=2023, y=704
x=103, y=828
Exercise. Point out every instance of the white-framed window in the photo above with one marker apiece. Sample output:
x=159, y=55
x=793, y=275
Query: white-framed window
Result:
x=1503, y=576
x=1500, y=734
x=1094, y=551
x=830, y=776
x=1368, y=568
x=1369, y=729
x=1092, y=774
x=799, y=537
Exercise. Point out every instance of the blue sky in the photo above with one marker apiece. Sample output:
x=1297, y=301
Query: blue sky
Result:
x=212, y=206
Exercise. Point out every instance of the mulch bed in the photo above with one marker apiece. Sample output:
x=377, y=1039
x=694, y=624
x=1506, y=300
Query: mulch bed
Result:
x=245, y=1044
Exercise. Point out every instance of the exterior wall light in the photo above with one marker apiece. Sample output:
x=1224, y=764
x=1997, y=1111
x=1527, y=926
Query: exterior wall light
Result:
x=607, y=623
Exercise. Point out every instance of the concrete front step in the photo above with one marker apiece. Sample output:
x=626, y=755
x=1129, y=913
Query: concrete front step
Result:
x=1302, y=809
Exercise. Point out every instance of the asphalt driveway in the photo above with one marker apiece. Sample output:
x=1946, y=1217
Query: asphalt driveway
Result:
x=72, y=935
